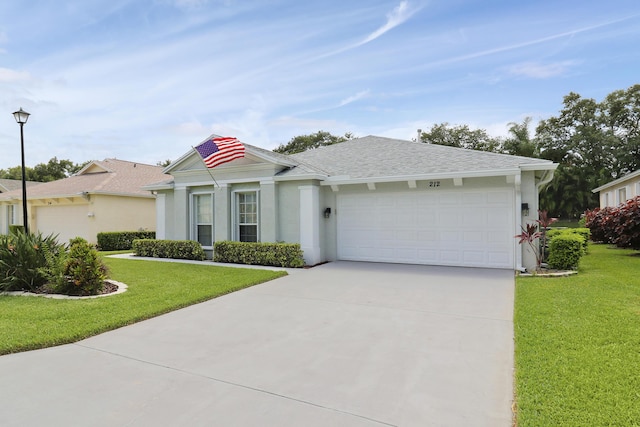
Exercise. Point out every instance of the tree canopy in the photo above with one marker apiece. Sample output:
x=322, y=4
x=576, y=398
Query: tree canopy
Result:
x=302, y=143
x=594, y=142
x=461, y=136
x=43, y=172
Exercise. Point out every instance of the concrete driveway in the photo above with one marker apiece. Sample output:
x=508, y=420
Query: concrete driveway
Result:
x=342, y=344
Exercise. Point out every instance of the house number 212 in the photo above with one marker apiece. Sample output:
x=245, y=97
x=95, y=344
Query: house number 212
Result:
x=434, y=183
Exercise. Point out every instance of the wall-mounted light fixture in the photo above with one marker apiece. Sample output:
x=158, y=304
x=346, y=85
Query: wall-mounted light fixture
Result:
x=327, y=212
x=525, y=209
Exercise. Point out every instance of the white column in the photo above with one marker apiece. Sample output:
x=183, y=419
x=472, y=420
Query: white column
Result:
x=310, y=223
x=182, y=221
x=222, y=221
x=268, y=209
x=161, y=206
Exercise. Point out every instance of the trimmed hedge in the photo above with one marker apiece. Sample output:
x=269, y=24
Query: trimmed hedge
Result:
x=121, y=240
x=176, y=249
x=275, y=254
x=584, y=232
x=565, y=251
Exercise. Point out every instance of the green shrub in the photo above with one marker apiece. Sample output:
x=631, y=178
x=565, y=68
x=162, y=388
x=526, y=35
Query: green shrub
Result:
x=121, y=240
x=275, y=254
x=22, y=259
x=80, y=271
x=177, y=249
x=582, y=223
x=565, y=251
x=553, y=232
x=584, y=232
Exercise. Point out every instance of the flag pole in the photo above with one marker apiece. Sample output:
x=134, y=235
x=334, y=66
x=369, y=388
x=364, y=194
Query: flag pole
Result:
x=205, y=166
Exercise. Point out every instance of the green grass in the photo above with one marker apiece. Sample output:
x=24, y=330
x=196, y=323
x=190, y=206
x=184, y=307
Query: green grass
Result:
x=28, y=323
x=569, y=223
x=578, y=344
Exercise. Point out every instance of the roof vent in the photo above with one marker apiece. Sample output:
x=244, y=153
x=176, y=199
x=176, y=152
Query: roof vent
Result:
x=419, y=138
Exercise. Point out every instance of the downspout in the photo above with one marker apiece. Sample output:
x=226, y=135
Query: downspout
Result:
x=546, y=178
x=518, y=212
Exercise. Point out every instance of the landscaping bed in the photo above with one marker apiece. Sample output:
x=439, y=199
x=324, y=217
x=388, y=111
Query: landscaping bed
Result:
x=154, y=288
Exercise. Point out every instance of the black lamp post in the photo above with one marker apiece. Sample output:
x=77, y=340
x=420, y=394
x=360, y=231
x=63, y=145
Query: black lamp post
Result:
x=22, y=117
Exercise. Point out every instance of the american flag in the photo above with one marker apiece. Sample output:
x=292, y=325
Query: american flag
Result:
x=216, y=151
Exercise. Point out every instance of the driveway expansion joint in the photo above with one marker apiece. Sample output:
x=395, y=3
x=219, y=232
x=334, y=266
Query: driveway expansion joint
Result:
x=231, y=383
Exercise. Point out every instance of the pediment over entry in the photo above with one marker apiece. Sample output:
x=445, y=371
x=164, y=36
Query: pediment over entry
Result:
x=254, y=157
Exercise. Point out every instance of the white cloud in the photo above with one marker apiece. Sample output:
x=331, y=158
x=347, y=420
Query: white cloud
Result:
x=397, y=16
x=12, y=76
x=536, y=70
x=356, y=97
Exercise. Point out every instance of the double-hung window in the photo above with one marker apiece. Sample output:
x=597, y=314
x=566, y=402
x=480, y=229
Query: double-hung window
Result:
x=246, y=216
x=202, y=218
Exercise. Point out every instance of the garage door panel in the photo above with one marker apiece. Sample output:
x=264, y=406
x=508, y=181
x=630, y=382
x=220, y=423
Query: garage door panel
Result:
x=473, y=257
x=469, y=228
x=500, y=198
x=449, y=199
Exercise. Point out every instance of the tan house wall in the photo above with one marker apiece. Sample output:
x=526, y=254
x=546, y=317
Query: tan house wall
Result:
x=87, y=218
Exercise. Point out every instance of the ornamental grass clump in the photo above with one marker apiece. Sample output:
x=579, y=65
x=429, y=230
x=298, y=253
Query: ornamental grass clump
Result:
x=23, y=260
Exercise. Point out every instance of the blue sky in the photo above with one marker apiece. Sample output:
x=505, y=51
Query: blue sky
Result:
x=145, y=80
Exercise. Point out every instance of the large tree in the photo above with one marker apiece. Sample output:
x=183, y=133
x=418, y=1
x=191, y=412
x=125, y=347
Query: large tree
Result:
x=461, y=136
x=594, y=142
x=43, y=172
x=519, y=141
x=302, y=143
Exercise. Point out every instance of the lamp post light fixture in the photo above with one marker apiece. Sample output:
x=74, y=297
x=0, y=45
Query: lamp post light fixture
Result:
x=21, y=117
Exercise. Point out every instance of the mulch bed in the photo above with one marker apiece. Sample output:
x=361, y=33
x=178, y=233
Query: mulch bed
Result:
x=107, y=288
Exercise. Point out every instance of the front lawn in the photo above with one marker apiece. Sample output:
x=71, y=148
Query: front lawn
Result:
x=578, y=344
x=28, y=323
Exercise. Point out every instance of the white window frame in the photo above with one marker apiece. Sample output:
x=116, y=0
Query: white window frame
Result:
x=11, y=214
x=193, y=217
x=235, y=213
x=622, y=195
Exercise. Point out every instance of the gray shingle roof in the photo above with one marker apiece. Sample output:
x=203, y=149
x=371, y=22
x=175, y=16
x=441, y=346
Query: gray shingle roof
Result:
x=374, y=156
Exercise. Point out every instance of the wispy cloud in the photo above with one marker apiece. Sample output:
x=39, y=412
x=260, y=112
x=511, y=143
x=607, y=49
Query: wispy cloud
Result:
x=354, y=98
x=536, y=70
x=536, y=41
x=399, y=15
x=144, y=80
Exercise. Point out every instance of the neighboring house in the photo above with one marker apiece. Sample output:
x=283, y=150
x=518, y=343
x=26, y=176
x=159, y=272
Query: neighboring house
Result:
x=104, y=196
x=367, y=199
x=619, y=191
x=7, y=185
x=9, y=214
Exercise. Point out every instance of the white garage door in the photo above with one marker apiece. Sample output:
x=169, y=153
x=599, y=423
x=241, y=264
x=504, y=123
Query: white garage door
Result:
x=458, y=228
